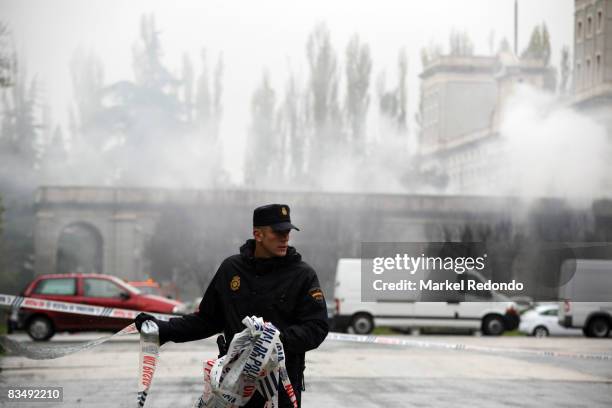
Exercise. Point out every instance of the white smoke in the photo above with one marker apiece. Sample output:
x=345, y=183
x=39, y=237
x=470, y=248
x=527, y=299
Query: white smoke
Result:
x=552, y=150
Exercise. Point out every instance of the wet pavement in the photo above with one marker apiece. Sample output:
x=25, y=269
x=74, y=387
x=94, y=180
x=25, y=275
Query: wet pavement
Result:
x=341, y=374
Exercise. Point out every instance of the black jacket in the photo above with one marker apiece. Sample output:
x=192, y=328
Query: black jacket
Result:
x=283, y=290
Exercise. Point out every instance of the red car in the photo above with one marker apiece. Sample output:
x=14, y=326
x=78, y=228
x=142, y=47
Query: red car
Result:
x=91, y=289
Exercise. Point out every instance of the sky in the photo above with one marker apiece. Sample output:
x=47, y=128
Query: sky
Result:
x=258, y=35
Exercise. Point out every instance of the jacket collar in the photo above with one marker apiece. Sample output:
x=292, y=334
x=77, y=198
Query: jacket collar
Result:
x=247, y=251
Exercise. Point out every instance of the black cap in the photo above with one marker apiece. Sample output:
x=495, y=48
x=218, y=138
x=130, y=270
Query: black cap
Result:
x=277, y=216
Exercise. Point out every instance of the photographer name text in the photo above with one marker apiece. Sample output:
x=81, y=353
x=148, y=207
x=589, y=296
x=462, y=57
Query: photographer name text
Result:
x=430, y=285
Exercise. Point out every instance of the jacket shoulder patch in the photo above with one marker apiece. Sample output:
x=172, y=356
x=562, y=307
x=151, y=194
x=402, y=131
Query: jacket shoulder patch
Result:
x=317, y=294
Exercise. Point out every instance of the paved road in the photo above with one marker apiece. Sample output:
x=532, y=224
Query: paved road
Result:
x=343, y=375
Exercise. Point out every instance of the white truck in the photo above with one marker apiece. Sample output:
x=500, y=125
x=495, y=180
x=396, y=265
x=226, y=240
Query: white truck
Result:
x=587, y=296
x=493, y=314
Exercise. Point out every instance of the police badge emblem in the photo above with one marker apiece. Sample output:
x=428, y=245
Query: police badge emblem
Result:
x=235, y=283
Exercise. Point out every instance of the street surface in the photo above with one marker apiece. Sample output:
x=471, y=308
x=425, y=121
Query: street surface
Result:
x=339, y=374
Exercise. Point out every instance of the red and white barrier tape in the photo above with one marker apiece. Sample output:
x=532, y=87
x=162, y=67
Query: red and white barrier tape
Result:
x=16, y=302
x=37, y=351
x=149, y=357
x=35, y=303
x=354, y=338
x=255, y=359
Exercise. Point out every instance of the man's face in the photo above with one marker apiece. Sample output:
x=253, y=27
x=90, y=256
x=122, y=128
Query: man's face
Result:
x=271, y=243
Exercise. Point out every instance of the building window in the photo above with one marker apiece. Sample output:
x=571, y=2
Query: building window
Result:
x=599, y=20
x=579, y=30
x=598, y=66
x=589, y=26
x=588, y=75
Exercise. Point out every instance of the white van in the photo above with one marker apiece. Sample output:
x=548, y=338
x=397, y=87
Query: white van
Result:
x=592, y=280
x=492, y=316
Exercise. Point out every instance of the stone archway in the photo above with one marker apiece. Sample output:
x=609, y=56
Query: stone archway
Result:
x=80, y=248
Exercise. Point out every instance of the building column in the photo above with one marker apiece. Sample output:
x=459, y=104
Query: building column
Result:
x=45, y=243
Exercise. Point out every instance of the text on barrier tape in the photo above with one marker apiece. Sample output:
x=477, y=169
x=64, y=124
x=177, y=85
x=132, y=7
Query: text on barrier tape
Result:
x=76, y=308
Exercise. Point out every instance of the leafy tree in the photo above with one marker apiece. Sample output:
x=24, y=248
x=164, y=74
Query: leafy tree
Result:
x=263, y=147
x=323, y=85
x=208, y=102
x=54, y=158
x=393, y=103
x=19, y=131
x=203, y=97
x=6, y=56
x=19, y=154
x=539, y=45
x=418, y=116
x=534, y=48
x=460, y=44
x=187, y=79
x=154, y=129
x=148, y=68
x=87, y=74
x=491, y=41
x=2, y=260
x=430, y=53
x=504, y=46
x=565, y=70
x=292, y=126
x=358, y=69
x=96, y=121
x=217, y=96
x=546, y=52
x=325, y=125
x=402, y=98
x=16, y=242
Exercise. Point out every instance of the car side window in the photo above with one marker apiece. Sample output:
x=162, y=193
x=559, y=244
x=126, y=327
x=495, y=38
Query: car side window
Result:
x=102, y=288
x=551, y=312
x=63, y=286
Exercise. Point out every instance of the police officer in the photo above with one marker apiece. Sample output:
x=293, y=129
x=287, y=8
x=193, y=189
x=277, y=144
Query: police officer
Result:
x=267, y=279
